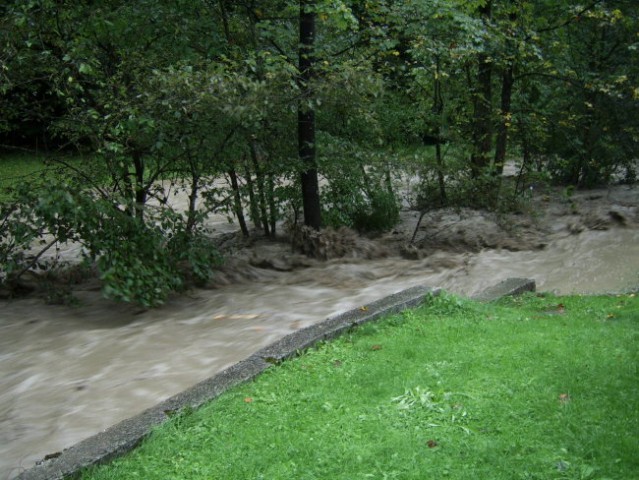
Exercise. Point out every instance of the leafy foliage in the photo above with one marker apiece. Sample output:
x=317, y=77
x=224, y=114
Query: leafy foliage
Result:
x=138, y=261
x=193, y=91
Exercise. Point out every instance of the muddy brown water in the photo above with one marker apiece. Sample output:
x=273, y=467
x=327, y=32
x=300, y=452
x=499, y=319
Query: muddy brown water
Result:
x=67, y=373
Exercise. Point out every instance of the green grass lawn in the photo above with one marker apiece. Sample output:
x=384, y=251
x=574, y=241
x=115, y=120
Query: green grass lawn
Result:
x=35, y=170
x=537, y=387
x=15, y=169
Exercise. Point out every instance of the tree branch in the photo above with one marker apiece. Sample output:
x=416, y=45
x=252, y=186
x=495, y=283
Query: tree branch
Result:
x=570, y=20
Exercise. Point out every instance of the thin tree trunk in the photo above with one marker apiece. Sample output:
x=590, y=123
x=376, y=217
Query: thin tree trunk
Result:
x=253, y=208
x=441, y=179
x=193, y=194
x=526, y=163
x=501, y=144
x=306, y=118
x=237, y=200
x=388, y=179
x=482, y=128
x=507, y=82
x=271, y=204
x=260, y=190
x=438, y=109
x=122, y=183
x=140, y=190
x=225, y=22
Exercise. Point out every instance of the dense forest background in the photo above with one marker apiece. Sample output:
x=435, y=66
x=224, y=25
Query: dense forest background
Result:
x=298, y=112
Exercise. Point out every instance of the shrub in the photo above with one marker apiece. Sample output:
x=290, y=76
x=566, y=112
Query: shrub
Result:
x=381, y=214
x=139, y=261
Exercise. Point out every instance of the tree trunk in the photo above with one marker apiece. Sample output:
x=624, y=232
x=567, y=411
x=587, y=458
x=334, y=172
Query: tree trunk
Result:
x=306, y=118
x=261, y=194
x=253, y=208
x=507, y=82
x=441, y=179
x=482, y=130
x=140, y=190
x=237, y=201
x=388, y=178
x=482, y=122
x=438, y=109
x=526, y=163
x=272, y=206
x=225, y=22
x=190, y=218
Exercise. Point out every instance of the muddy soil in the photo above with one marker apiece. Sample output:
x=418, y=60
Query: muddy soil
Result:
x=536, y=222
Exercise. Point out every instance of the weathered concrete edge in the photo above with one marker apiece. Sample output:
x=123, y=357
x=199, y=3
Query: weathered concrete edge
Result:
x=126, y=435
x=508, y=287
x=332, y=327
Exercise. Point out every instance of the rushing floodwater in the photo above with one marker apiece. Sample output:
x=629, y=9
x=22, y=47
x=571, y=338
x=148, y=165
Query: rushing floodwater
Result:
x=67, y=373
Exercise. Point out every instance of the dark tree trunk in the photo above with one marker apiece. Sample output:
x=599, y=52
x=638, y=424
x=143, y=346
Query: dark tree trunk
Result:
x=253, y=208
x=441, y=180
x=272, y=206
x=306, y=118
x=225, y=22
x=526, y=164
x=237, y=200
x=438, y=109
x=501, y=144
x=388, y=179
x=261, y=194
x=482, y=130
x=482, y=122
x=190, y=218
x=140, y=189
x=507, y=82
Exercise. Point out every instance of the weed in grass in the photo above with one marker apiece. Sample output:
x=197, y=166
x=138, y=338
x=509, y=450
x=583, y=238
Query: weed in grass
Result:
x=458, y=390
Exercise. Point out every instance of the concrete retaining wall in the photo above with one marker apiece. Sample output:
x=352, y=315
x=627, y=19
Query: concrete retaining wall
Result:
x=128, y=434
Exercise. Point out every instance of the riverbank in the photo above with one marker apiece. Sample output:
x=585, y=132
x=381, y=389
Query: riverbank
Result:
x=98, y=363
x=532, y=387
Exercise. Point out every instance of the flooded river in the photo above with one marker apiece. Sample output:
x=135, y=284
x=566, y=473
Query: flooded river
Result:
x=69, y=372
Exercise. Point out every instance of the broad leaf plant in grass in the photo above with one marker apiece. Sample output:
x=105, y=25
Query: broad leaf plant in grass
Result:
x=536, y=387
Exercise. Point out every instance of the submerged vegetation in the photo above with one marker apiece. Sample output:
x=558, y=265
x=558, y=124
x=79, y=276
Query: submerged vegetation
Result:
x=535, y=387
x=309, y=111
